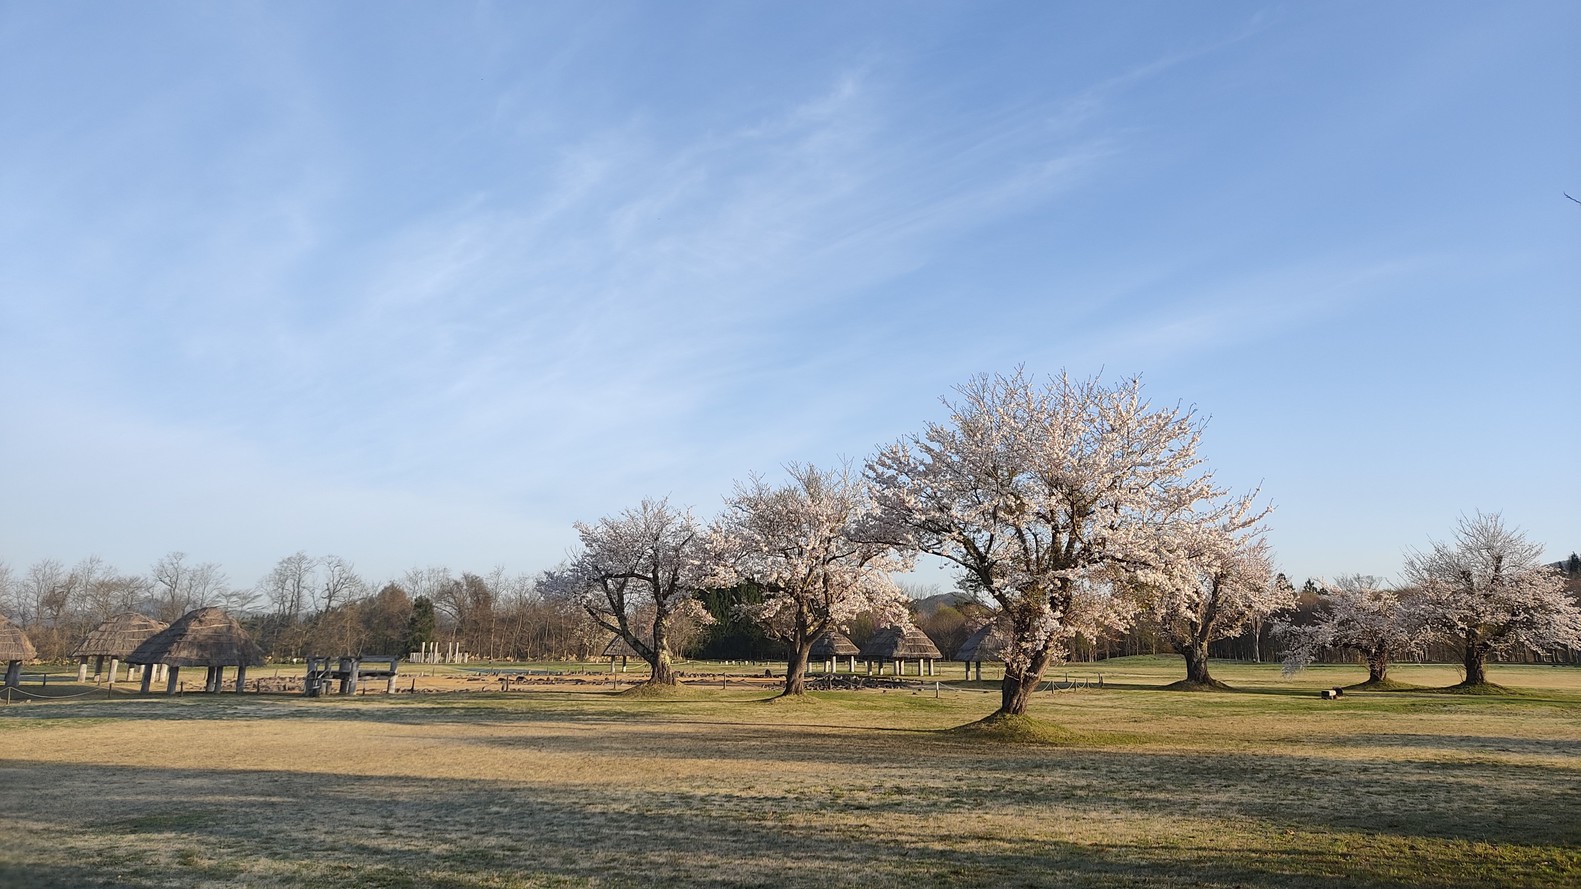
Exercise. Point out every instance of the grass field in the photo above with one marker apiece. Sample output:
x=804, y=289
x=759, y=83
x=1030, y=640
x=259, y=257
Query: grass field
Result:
x=580, y=787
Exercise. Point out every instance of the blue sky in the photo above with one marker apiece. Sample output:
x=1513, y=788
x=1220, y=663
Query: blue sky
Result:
x=421, y=284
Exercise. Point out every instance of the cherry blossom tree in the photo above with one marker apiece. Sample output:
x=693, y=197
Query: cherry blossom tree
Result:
x=1046, y=497
x=1379, y=623
x=1488, y=591
x=1217, y=579
x=636, y=572
x=810, y=547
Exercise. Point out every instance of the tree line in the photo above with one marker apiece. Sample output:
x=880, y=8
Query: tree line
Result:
x=1082, y=522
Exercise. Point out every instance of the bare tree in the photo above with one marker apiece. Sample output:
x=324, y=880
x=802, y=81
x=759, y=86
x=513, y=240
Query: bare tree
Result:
x=1488, y=591
x=1045, y=496
x=288, y=587
x=1380, y=624
x=338, y=583
x=636, y=571
x=178, y=587
x=812, y=548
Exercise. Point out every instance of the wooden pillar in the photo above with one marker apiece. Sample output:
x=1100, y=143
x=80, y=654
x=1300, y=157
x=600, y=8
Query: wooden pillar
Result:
x=115, y=669
x=241, y=677
x=148, y=677
x=853, y=663
x=869, y=668
x=211, y=679
x=174, y=674
x=351, y=667
x=82, y=669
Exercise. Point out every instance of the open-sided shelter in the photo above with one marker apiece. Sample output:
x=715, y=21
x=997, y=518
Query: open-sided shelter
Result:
x=618, y=647
x=15, y=647
x=115, y=639
x=832, y=646
x=986, y=643
x=897, y=645
x=207, y=637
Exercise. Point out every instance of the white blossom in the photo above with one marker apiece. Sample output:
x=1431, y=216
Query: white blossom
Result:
x=1046, y=496
x=1488, y=592
x=810, y=546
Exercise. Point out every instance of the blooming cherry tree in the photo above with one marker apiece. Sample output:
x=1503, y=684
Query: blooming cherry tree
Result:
x=1046, y=496
x=1380, y=624
x=810, y=546
x=1215, y=580
x=635, y=574
x=1488, y=591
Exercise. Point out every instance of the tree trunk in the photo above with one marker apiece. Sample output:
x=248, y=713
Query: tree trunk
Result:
x=661, y=671
x=796, y=668
x=1196, y=654
x=1017, y=686
x=1377, y=667
x=1476, y=662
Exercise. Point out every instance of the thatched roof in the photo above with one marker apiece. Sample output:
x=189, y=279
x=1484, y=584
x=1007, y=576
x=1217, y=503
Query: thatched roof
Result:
x=207, y=637
x=619, y=647
x=986, y=644
x=833, y=644
x=14, y=644
x=119, y=636
x=902, y=643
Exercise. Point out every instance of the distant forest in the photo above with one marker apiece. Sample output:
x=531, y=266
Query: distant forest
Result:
x=321, y=606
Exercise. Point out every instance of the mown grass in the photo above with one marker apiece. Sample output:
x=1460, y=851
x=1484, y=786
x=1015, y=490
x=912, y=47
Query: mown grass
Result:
x=1128, y=786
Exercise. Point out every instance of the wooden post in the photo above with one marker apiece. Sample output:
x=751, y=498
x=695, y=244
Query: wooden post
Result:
x=173, y=672
x=148, y=677
x=241, y=677
x=115, y=669
x=82, y=670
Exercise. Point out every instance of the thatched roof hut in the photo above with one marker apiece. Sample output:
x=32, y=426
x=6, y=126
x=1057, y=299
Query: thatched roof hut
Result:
x=14, y=644
x=15, y=647
x=906, y=642
x=619, y=647
x=987, y=643
x=833, y=644
x=119, y=636
x=207, y=637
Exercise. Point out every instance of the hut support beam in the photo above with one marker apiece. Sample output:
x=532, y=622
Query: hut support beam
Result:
x=175, y=674
x=148, y=677
x=82, y=670
x=241, y=677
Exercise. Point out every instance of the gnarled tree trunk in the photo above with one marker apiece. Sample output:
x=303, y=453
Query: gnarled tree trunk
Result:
x=796, y=668
x=1476, y=660
x=1018, y=685
x=1196, y=654
x=1377, y=666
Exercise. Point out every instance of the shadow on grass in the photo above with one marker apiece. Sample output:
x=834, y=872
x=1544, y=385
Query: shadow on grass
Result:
x=192, y=827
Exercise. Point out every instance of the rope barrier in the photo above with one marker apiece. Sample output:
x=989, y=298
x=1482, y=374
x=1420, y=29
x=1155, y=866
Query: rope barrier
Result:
x=12, y=688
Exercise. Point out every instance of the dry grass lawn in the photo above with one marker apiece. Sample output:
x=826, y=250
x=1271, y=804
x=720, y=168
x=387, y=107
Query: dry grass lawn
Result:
x=574, y=787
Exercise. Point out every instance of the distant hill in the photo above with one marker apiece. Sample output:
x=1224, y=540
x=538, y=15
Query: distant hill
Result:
x=929, y=606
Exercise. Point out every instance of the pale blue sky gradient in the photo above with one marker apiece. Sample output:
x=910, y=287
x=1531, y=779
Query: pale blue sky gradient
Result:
x=421, y=284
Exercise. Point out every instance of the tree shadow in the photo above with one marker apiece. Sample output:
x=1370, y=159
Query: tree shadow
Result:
x=192, y=827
